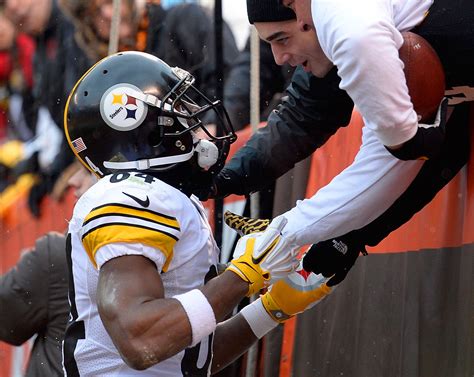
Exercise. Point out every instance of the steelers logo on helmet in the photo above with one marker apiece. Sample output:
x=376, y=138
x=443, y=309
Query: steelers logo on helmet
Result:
x=120, y=110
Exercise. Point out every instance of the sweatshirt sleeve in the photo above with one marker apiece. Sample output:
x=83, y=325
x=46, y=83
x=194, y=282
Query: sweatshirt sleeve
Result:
x=355, y=197
x=361, y=39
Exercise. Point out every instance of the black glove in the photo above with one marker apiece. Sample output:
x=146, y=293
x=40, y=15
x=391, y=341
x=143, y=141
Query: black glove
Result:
x=428, y=140
x=222, y=185
x=334, y=257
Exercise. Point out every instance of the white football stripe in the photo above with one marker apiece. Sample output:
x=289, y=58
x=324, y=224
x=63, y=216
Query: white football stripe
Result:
x=104, y=220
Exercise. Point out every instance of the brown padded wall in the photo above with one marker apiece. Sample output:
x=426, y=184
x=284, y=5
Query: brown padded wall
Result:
x=407, y=314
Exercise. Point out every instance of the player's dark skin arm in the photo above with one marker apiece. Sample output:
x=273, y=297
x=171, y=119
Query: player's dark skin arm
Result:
x=232, y=338
x=145, y=327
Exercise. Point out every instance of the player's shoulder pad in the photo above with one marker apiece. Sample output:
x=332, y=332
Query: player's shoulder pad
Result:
x=134, y=208
x=138, y=190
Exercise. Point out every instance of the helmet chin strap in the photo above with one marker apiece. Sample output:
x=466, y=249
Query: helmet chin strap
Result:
x=146, y=164
x=207, y=155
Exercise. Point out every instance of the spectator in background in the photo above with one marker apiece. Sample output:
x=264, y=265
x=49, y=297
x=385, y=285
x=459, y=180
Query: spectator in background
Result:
x=35, y=293
x=273, y=81
x=170, y=3
x=183, y=35
x=65, y=51
x=7, y=37
x=33, y=297
x=16, y=114
x=15, y=71
x=53, y=78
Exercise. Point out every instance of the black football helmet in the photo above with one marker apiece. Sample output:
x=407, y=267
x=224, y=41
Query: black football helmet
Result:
x=133, y=112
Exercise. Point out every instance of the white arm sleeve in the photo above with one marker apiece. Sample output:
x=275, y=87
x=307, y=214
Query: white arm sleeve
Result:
x=355, y=197
x=361, y=39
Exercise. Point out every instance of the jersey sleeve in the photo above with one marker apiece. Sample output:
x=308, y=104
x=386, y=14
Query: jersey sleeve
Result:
x=124, y=220
x=114, y=250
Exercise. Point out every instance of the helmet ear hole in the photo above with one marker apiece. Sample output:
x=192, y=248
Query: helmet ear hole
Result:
x=208, y=154
x=155, y=137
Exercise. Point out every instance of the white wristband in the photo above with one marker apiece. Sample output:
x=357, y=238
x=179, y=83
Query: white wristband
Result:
x=200, y=314
x=258, y=319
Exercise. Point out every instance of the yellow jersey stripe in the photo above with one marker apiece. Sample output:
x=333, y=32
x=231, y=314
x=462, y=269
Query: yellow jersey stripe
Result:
x=105, y=234
x=116, y=209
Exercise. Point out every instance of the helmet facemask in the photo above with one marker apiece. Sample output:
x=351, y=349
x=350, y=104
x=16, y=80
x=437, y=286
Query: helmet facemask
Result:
x=187, y=105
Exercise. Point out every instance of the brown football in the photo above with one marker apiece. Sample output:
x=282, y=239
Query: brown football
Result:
x=424, y=74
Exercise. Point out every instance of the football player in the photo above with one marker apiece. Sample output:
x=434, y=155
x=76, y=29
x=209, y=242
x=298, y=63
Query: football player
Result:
x=144, y=295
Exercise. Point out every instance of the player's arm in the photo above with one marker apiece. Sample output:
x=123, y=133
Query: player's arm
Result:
x=145, y=327
x=286, y=298
x=232, y=339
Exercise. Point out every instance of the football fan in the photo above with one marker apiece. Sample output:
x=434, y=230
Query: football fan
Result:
x=372, y=197
x=362, y=40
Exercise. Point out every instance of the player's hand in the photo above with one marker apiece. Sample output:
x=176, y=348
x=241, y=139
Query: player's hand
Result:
x=260, y=257
x=334, y=258
x=245, y=225
x=299, y=291
x=428, y=139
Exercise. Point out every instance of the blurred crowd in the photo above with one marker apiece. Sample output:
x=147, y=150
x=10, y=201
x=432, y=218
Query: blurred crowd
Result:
x=47, y=45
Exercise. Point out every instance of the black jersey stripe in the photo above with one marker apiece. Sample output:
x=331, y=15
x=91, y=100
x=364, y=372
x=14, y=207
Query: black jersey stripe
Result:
x=136, y=208
x=95, y=217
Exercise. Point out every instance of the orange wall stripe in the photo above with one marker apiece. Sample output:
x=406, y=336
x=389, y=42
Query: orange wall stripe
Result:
x=287, y=347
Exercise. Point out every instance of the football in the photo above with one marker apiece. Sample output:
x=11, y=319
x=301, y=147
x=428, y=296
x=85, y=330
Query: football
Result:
x=424, y=75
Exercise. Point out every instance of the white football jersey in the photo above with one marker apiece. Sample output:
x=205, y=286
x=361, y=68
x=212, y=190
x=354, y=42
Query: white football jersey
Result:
x=134, y=214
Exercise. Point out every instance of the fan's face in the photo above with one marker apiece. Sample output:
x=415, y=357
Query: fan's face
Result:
x=295, y=46
x=102, y=20
x=7, y=33
x=302, y=9
x=29, y=16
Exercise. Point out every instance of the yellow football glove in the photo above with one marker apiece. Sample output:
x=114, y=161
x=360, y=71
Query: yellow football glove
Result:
x=245, y=225
x=259, y=257
x=299, y=291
